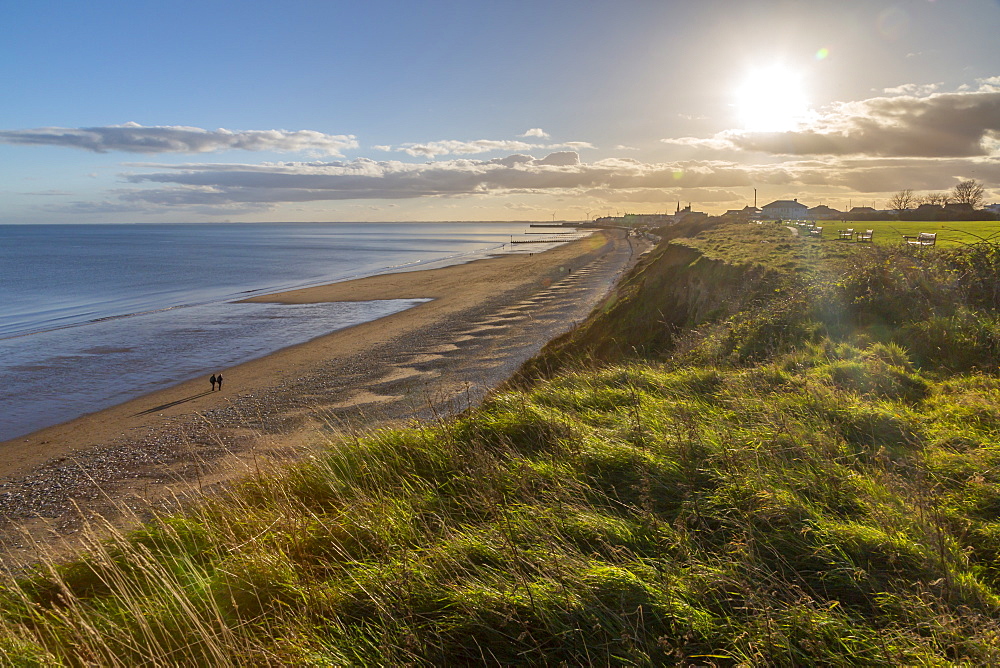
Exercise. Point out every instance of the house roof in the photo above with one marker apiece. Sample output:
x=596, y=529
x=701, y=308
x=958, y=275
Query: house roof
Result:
x=784, y=204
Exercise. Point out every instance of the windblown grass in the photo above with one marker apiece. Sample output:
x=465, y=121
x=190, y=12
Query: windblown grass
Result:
x=799, y=483
x=814, y=508
x=950, y=233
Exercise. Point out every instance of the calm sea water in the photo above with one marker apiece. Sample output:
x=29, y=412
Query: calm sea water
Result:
x=94, y=315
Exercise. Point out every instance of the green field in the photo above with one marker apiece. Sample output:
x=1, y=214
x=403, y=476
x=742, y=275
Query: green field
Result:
x=950, y=233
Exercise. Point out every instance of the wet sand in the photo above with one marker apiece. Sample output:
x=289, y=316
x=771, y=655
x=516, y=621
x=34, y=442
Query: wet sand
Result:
x=485, y=318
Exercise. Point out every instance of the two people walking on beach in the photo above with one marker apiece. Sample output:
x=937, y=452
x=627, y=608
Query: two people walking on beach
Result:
x=216, y=378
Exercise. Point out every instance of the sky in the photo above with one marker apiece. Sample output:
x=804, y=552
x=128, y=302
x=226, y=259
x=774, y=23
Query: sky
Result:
x=394, y=110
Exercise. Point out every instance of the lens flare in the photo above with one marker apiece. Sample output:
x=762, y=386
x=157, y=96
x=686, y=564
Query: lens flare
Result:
x=772, y=99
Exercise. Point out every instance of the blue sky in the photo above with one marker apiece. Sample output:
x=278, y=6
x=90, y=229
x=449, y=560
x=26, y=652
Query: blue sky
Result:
x=387, y=110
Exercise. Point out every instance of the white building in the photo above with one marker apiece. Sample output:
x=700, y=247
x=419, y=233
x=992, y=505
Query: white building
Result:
x=784, y=209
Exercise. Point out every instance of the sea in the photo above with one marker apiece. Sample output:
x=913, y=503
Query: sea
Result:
x=94, y=315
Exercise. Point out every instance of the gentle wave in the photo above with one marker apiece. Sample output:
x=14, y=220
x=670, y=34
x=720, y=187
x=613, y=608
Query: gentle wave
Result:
x=12, y=333
x=94, y=315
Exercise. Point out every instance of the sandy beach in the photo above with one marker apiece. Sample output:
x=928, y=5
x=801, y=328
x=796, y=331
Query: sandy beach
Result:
x=483, y=319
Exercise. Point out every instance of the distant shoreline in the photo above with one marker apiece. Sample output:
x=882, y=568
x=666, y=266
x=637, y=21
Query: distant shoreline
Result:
x=167, y=305
x=484, y=319
x=355, y=289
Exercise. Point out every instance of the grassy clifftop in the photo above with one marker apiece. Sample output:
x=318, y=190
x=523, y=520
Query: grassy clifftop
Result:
x=698, y=275
x=765, y=451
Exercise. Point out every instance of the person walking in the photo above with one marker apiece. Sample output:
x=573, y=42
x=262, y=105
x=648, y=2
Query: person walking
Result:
x=218, y=379
x=213, y=381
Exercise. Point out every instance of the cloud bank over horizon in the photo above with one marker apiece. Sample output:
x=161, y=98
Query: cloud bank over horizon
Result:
x=910, y=136
x=561, y=173
x=134, y=138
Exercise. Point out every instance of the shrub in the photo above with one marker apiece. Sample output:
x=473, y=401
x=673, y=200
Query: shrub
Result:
x=875, y=378
x=961, y=342
x=892, y=286
x=774, y=328
x=977, y=272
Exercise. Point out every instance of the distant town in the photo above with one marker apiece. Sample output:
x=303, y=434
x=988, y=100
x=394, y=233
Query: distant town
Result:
x=963, y=203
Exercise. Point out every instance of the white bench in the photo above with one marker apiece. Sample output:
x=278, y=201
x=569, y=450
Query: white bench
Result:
x=922, y=239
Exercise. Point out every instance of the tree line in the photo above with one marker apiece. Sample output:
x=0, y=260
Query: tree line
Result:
x=969, y=192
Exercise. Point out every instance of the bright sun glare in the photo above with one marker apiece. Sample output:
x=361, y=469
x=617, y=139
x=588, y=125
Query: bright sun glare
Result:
x=771, y=99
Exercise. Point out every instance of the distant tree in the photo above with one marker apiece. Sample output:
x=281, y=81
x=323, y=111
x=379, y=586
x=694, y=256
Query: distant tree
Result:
x=902, y=201
x=969, y=192
x=939, y=199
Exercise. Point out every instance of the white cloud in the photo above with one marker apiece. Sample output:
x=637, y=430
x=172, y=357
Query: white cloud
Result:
x=442, y=147
x=720, y=142
x=913, y=89
x=560, y=159
x=990, y=85
x=536, y=132
x=939, y=125
x=455, y=147
x=560, y=172
x=135, y=138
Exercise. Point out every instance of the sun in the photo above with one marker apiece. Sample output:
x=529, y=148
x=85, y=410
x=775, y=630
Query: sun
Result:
x=772, y=99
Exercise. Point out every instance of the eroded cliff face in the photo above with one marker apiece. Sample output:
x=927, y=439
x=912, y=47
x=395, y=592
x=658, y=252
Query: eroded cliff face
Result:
x=673, y=290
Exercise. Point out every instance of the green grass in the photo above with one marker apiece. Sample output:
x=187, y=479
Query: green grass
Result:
x=634, y=515
x=795, y=474
x=949, y=233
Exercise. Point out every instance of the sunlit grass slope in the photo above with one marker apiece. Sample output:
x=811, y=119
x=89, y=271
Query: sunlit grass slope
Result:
x=801, y=471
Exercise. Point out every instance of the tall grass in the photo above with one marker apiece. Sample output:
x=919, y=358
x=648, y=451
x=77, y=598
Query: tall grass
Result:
x=785, y=488
x=776, y=514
